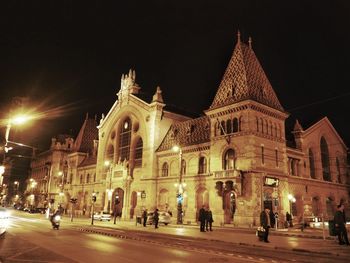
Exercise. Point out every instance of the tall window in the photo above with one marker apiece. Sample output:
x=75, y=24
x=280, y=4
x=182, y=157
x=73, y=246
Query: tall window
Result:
x=338, y=170
x=88, y=178
x=276, y=157
x=228, y=126
x=262, y=155
x=94, y=177
x=183, y=167
x=235, y=125
x=229, y=160
x=138, y=153
x=202, y=165
x=81, y=179
x=124, y=140
x=165, y=169
x=312, y=164
x=325, y=160
x=222, y=128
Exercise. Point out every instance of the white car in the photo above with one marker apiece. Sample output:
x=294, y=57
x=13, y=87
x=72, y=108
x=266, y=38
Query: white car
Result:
x=4, y=215
x=102, y=216
x=164, y=218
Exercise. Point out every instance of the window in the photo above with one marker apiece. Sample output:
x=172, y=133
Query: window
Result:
x=325, y=160
x=257, y=124
x=124, y=140
x=138, y=153
x=94, y=177
x=222, y=128
x=183, y=166
x=262, y=155
x=312, y=164
x=229, y=160
x=235, y=125
x=202, y=169
x=88, y=178
x=276, y=157
x=228, y=126
x=81, y=179
x=165, y=169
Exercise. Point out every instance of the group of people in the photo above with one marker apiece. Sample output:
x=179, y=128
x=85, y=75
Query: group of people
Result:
x=340, y=225
x=205, y=218
x=155, y=217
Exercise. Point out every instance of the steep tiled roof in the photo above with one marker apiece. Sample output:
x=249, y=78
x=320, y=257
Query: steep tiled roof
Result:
x=87, y=134
x=245, y=79
x=187, y=133
x=89, y=160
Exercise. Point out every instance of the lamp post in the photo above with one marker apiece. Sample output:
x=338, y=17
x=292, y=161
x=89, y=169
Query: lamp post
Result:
x=180, y=186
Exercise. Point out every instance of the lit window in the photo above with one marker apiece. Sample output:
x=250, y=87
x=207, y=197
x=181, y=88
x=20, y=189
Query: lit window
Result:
x=138, y=153
x=202, y=165
x=124, y=140
x=229, y=160
x=165, y=169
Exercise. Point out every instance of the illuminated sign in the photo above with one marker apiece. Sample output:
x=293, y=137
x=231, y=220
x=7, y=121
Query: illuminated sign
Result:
x=271, y=181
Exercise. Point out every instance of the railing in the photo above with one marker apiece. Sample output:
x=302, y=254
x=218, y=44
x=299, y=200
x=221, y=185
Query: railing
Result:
x=227, y=173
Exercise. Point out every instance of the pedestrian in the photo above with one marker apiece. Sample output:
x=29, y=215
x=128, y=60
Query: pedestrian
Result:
x=144, y=215
x=340, y=227
x=156, y=218
x=289, y=219
x=201, y=218
x=209, y=220
x=265, y=222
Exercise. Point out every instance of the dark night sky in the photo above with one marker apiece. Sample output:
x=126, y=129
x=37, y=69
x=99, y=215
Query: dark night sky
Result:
x=73, y=53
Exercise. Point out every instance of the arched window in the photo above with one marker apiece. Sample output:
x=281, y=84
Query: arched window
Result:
x=124, y=140
x=325, y=160
x=222, y=128
x=257, y=124
x=235, y=125
x=338, y=170
x=261, y=124
x=312, y=164
x=88, y=178
x=202, y=169
x=229, y=160
x=228, y=126
x=94, y=177
x=110, y=152
x=165, y=169
x=240, y=126
x=183, y=167
x=138, y=153
x=81, y=179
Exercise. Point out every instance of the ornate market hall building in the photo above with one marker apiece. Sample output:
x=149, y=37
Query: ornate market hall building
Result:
x=233, y=159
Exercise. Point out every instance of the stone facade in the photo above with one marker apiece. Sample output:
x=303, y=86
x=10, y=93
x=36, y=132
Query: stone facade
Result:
x=234, y=158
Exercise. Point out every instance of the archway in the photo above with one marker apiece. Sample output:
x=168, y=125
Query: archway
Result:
x=202, y=199
x=118, y=200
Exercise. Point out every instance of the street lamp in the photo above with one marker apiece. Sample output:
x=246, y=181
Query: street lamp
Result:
x=180, y=186
x=17, y=120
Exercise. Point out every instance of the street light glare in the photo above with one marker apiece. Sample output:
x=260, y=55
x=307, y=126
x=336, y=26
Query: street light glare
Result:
x=20, y=119
x=107, y=163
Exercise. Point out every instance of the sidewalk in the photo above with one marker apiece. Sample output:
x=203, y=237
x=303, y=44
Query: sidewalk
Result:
x=283, y=240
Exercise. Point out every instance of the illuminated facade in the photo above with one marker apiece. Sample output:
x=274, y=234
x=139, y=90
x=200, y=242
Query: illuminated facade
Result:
x=234, y=158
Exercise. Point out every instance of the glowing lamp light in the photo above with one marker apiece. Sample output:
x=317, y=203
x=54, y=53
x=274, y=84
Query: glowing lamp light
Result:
x=20, y=119
x=176, y=148
x=107, y=163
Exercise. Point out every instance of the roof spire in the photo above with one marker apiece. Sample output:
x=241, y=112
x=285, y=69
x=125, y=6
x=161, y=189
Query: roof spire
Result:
x=238, y=36
x=157, y=97
x=250, y=42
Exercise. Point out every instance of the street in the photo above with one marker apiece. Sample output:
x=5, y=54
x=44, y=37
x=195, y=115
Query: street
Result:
x=30, y=238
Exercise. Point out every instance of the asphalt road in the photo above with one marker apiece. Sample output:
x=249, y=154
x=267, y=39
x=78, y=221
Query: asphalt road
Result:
x=30, y=238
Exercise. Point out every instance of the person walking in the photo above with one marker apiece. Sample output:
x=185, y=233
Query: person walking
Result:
x=265, y=222
x=156, y=218
x=144, y=215
x=209, y=220
x=339, y=224
x=201, y=218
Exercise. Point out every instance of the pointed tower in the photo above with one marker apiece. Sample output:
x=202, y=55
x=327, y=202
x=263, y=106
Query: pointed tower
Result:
x=298, y=134
x=88, y=133
x=247, y=128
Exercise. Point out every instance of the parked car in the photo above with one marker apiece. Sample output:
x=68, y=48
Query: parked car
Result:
x=4, y=215
x=164, y=218
x=313, y=221
x=102, y=216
